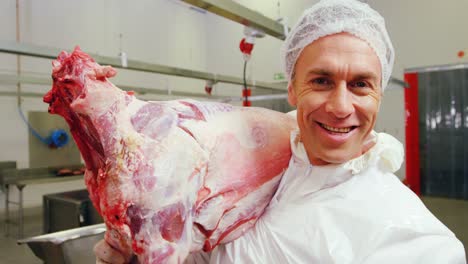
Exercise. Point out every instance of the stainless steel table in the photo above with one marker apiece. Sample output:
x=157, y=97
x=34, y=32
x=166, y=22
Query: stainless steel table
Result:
x=23, y=177
x=74, y=246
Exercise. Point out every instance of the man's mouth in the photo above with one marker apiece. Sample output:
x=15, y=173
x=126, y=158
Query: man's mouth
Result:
x=341, y=130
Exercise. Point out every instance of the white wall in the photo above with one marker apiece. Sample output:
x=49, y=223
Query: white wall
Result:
x=163, y=32
x=424, y=33
x=168, y=32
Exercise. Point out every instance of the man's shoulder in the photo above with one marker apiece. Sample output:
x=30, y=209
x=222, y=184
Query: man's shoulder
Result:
x=397, y=205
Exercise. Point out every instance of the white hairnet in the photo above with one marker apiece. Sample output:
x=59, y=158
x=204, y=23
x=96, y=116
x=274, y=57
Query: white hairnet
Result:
x=334, y=16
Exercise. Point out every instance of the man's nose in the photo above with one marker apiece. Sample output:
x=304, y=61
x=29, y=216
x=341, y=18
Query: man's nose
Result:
x=340, y=102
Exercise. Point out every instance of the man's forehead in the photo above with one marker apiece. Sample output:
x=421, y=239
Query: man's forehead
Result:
x=332, y=70
x=343, y=41
x=323, y=55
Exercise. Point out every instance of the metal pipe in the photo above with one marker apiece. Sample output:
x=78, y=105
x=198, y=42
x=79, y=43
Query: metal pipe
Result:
x=7, y=210
x=240, y=14
x=12, y=79
x=399, y=82
x=268, y=97
x=265, y=97
x=18, y=57
x=20, y=213
x=23, y=94
x=446, y=67
x=51, y=53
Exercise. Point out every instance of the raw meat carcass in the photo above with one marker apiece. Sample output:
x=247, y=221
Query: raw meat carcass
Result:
x=169, y=177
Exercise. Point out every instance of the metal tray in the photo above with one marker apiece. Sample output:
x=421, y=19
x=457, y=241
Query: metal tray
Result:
x=67, y=247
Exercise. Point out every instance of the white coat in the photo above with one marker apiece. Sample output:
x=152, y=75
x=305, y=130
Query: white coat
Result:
x=356, y=212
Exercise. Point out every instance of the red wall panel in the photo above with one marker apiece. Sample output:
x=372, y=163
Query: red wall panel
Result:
x=412, y=133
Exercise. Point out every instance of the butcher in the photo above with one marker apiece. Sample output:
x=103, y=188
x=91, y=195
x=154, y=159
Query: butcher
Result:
x=339, y=200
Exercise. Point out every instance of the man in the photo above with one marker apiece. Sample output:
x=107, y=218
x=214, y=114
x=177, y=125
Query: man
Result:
x=339, y=201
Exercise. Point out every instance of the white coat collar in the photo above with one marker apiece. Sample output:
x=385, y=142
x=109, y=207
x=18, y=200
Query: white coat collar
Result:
x=387, y=152
x=301, y=178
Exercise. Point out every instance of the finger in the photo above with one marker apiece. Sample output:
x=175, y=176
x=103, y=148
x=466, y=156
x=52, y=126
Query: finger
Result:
x=106, y=254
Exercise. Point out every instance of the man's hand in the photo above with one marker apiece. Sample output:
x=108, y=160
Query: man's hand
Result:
x=105, y=254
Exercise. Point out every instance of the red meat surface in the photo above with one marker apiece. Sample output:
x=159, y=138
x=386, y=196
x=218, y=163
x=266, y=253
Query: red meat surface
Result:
x=169, y=177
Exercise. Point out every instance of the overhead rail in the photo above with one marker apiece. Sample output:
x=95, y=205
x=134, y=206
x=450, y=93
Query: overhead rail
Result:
x=265, y=97
x=52, y=53
x=399, y=82
x=241, y=14
x=446, y=67
x=14, y=79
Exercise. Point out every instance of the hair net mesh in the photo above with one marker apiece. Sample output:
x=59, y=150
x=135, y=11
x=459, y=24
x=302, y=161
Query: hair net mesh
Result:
x=334, y=16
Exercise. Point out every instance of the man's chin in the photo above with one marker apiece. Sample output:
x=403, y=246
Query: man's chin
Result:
x=339, y=157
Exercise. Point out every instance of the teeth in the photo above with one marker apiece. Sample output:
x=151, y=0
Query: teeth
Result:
x=336, y=129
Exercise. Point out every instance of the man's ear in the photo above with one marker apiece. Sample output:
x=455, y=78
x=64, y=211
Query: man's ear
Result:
x=292, y=98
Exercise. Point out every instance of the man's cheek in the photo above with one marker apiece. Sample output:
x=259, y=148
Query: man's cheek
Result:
x=375, y=97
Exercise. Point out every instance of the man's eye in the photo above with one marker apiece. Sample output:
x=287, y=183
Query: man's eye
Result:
x=321, y=81
x=359, y=84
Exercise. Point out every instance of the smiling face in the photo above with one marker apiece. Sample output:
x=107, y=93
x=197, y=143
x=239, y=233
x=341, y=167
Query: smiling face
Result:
x=337, y=91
